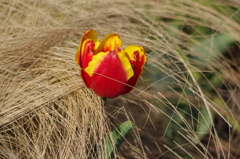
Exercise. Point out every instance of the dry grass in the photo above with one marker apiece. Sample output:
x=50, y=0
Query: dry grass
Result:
x=46, y=111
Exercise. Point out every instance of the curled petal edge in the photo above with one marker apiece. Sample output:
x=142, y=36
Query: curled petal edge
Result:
x=90, y=34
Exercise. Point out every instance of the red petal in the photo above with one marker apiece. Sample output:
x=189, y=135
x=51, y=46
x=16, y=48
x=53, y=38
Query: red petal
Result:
x=87, y=55
x=137, y=68
x=91, y=35
x=109, y=78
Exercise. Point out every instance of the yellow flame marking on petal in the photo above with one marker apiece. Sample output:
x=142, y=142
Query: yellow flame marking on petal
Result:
x=97, y=43
x=112, y=43
x=130, y=49
x=96, y=61
x=91, y=34
x=102, y=45
x=126, y=65
x=80, y=51
x=88, y=35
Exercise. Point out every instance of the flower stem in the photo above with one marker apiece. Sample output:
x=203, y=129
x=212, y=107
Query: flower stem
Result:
x=104, y=100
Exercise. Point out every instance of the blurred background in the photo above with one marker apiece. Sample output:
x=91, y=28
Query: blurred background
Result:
x=185, y=104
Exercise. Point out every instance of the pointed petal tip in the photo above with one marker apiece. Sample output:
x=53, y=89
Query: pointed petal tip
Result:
x=109, y=43
x=113, y=43
x=131, y=51
x=90, y=34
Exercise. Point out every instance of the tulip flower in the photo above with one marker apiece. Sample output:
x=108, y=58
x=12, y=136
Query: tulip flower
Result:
x=106, y=68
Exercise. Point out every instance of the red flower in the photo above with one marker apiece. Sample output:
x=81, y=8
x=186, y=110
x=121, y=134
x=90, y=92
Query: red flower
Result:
x=105, y=68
